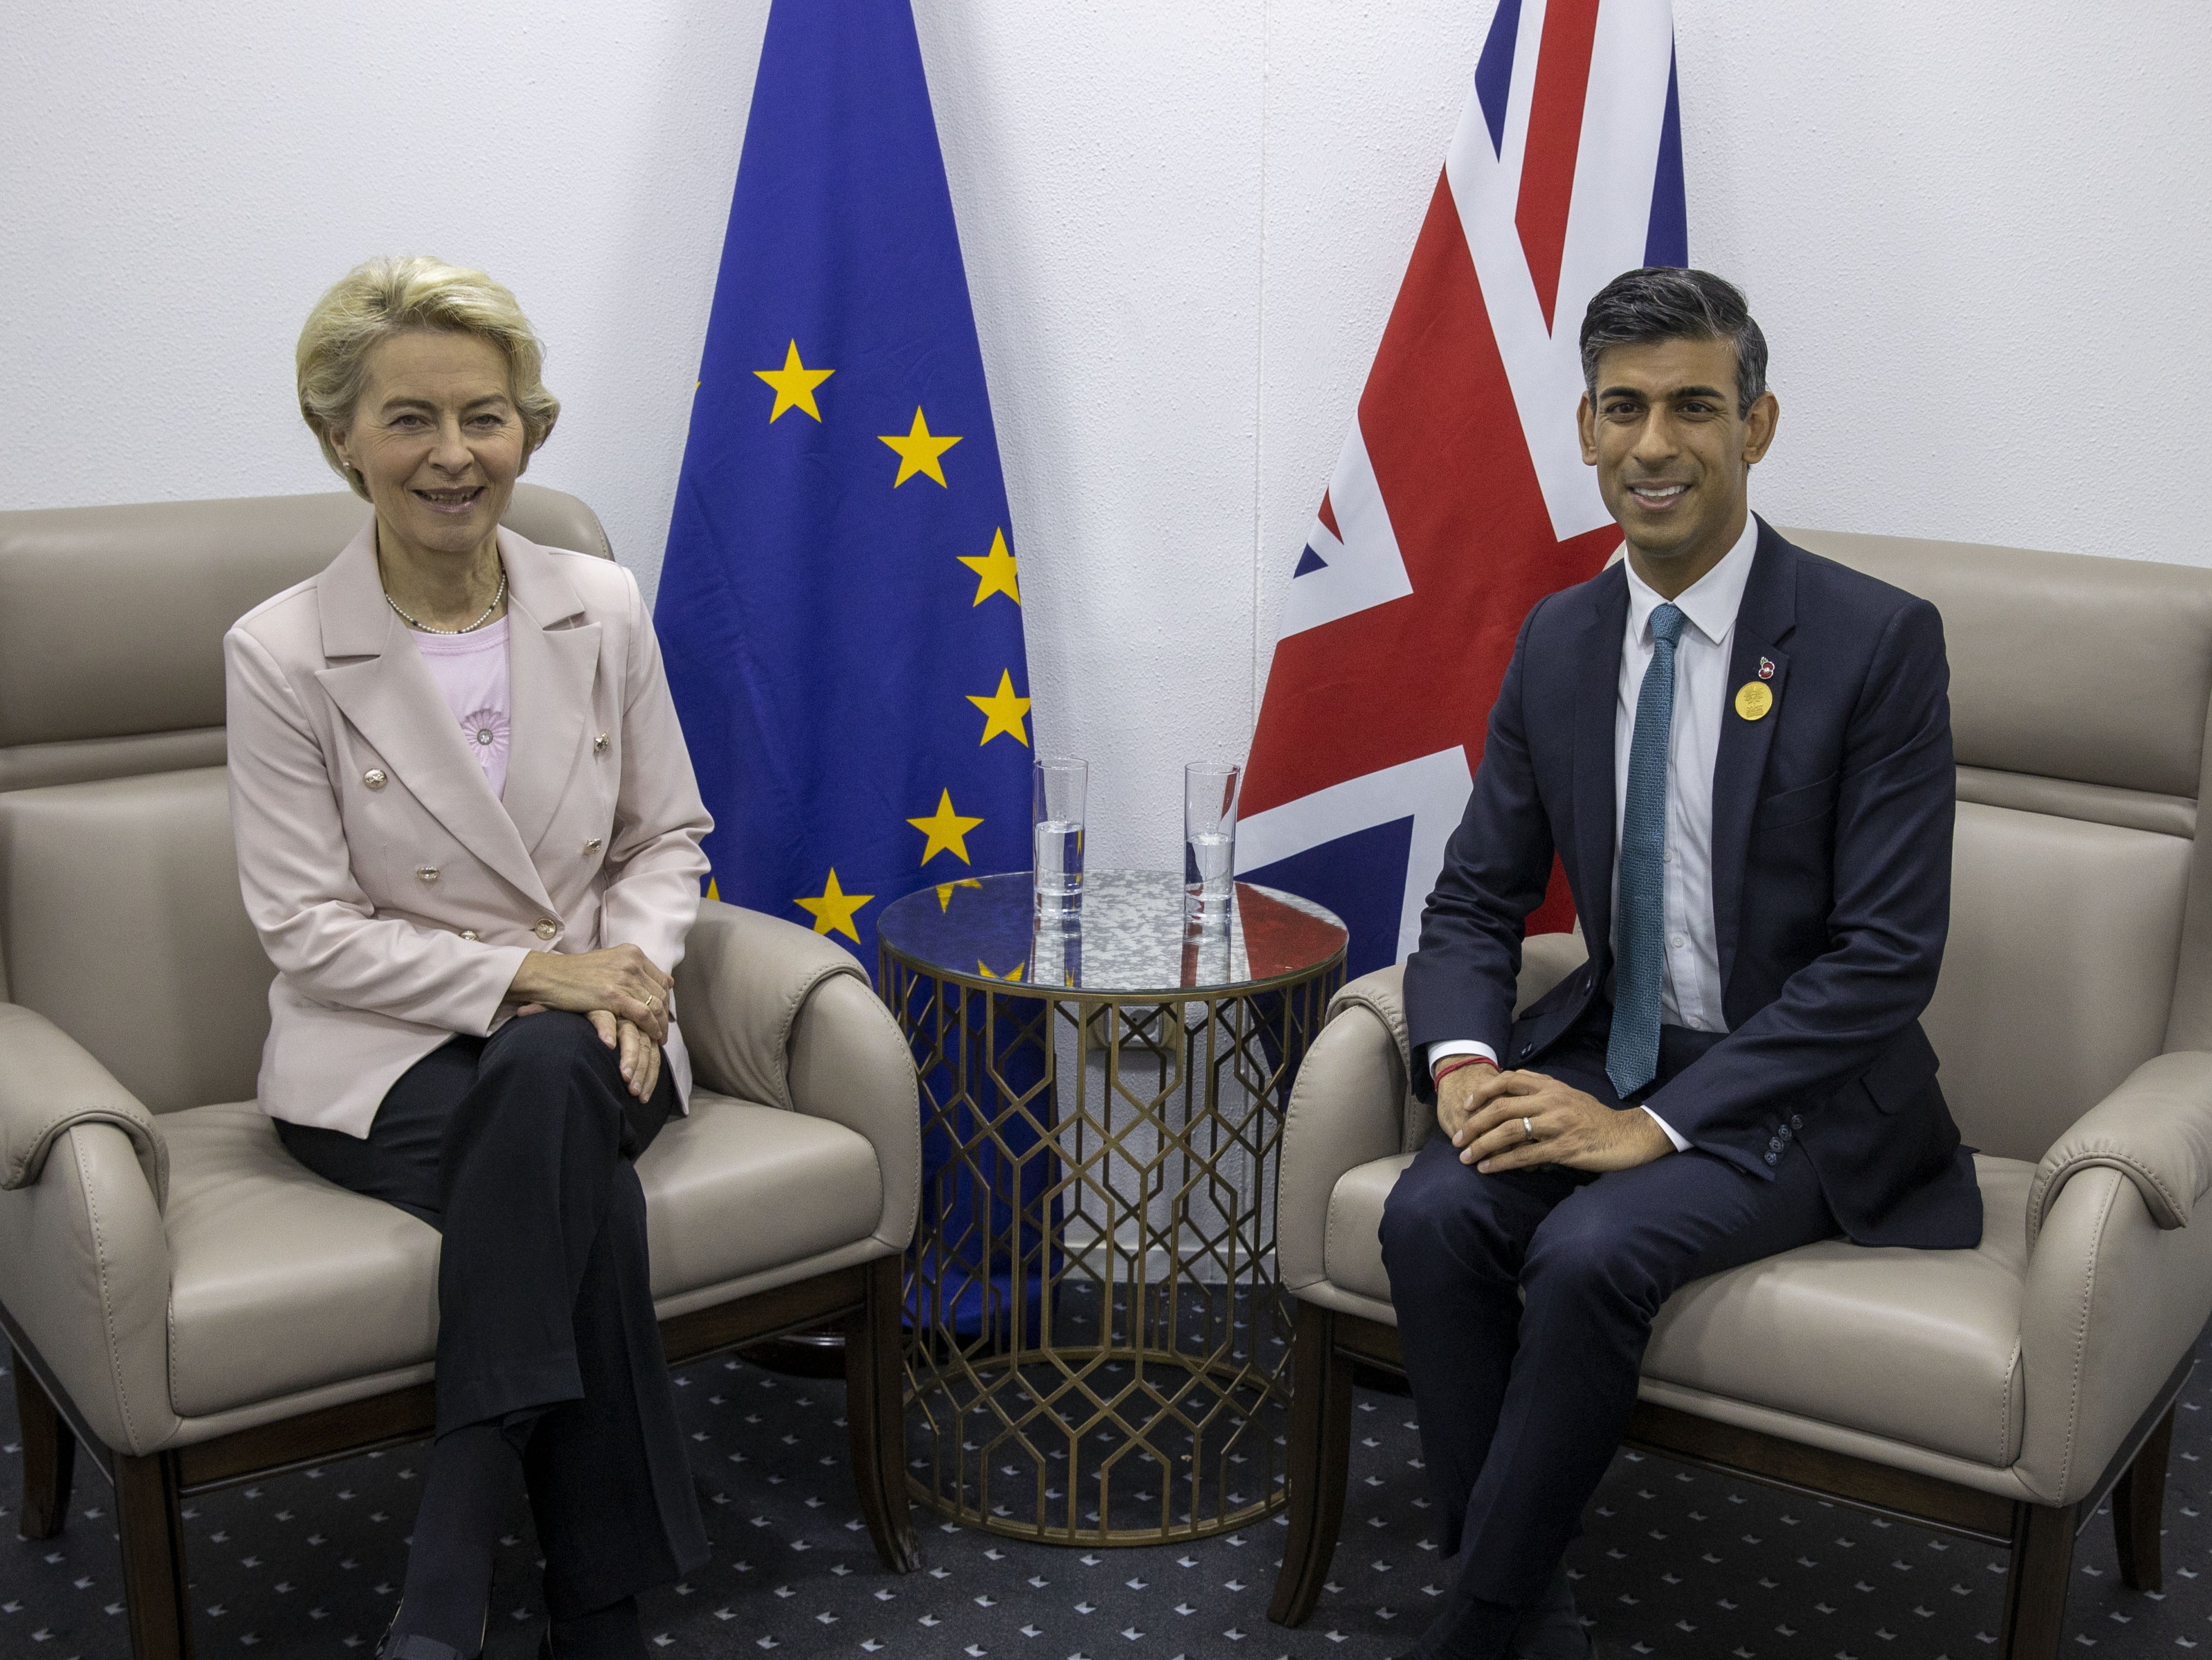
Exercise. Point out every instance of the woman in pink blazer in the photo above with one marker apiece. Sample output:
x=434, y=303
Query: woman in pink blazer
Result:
x=469, y=836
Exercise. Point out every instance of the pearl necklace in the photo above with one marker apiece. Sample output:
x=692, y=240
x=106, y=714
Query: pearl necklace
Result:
x=498, y=595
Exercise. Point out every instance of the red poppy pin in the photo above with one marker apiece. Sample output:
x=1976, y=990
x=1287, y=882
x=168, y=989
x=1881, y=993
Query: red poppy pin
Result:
x=1766, y=669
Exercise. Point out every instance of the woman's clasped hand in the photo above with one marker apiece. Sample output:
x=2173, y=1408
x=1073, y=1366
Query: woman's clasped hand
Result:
x=621, y=990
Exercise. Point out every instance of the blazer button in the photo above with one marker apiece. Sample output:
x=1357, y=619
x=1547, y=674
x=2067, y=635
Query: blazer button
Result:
x=427, y=872
x=592, y=846
x=373, y=777
x=471, y=933
x=600, y=744
x=1770, y=1158
x=546, y=928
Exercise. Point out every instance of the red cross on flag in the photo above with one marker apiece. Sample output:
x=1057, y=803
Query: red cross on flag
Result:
x=1461, y=497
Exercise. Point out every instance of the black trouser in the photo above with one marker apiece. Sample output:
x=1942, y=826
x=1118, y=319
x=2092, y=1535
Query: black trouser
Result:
x=1522, y=1405
x=519, y=1148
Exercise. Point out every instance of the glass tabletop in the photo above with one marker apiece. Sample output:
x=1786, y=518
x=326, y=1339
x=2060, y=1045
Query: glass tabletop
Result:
x=1130, y=939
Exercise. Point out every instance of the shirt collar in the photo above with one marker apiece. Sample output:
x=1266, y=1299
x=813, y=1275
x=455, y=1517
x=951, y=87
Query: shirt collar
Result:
x=1711, y=602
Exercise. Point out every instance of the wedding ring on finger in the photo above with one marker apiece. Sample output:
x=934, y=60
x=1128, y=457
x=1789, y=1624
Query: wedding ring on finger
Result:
x=1527, y=1129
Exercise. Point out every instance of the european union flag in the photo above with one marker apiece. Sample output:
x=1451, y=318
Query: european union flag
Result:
x=839, y=609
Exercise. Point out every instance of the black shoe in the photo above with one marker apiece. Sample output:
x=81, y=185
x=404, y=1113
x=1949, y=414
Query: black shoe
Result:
x=395, y=1647
x=1550, y=1628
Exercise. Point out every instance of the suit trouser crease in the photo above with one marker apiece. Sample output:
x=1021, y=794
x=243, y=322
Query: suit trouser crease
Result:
x=521, y=1148
x=1526, y=1300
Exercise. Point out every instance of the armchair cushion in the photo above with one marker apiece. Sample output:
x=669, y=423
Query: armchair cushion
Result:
x=281, y=1282
x=2155, y=1129
x=1922, y=1347
x=50, y=1084
x=736, y=1190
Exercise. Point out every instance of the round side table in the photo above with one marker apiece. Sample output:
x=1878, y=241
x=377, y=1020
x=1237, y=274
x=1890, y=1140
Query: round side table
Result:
x=1098, y=1351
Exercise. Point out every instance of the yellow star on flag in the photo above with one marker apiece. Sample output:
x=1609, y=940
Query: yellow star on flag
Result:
x=794, y=384
x=1003, y=711
x=947, y=830
x=996, y=568
x=944, y=891
x=833, y=908
x=712, y=892
x=1013, y=973
x=918, y=451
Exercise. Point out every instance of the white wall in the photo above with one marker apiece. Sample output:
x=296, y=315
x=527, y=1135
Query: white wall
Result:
x=1976, y=235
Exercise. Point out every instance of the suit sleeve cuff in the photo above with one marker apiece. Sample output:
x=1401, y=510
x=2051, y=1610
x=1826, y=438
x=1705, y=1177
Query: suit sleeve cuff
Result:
x=1444, y=1051
x=1681, y=1145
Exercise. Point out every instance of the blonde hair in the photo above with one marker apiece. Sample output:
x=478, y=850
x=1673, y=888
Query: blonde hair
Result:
x=381, y=298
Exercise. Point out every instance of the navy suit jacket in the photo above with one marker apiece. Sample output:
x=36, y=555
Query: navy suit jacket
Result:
x=1831, y=880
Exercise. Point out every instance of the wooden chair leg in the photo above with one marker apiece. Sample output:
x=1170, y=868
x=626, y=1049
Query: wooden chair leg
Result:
x=2035, y=1588
x=153, y=1557
x=2139, y=1507
x=1320, y=1464
x=875, y=1417
x=49, y=1457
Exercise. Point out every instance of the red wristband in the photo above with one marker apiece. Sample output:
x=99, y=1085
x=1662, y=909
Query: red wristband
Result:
x=1445, y=1068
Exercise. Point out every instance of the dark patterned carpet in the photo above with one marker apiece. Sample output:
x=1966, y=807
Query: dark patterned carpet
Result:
x=1676, y=1563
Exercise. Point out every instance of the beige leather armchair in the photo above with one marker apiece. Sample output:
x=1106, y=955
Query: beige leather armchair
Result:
x=2000, y=1393
x=188, y=1303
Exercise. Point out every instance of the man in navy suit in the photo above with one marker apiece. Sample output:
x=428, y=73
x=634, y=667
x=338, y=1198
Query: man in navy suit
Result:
x=1741, y=753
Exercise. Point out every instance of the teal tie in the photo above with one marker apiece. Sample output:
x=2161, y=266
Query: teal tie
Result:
x=1631, y=1055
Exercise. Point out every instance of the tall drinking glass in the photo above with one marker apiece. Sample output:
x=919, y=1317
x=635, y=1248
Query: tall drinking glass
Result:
x=1062, y=784
x=1209, y=839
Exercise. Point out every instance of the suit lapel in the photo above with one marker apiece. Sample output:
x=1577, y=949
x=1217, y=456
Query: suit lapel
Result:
x=1763, y=620
x=551, y=667
x=381, y=684
x=1597, y=692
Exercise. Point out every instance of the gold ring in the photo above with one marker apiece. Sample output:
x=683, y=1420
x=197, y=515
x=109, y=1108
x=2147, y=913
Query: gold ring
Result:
x=1529, y=1129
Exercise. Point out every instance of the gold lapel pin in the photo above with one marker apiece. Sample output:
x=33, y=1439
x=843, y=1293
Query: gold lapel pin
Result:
x=1754, y=699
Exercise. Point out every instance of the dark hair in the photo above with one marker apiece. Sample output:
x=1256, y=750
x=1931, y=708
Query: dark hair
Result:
x=1665, y=302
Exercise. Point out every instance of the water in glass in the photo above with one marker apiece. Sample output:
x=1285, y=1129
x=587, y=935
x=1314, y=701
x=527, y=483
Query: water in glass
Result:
x=1209, y=839
x=1059, y=865
x=1206, y=858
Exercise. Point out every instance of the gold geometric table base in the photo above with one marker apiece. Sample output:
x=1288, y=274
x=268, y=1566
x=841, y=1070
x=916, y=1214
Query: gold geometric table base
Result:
x=1098, y=1349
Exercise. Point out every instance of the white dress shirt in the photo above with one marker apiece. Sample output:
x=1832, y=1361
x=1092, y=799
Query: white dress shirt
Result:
x=1690, y=977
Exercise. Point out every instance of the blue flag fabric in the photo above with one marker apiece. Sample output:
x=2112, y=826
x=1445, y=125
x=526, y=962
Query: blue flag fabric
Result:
x=840, y=608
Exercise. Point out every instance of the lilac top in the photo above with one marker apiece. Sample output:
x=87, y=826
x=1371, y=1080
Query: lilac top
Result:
x=470, y=670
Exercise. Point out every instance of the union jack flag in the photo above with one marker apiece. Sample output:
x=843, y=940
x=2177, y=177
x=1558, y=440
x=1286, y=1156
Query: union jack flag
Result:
x=1461, y=497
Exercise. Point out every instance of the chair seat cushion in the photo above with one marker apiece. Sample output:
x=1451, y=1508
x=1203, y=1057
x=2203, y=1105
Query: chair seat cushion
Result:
x=1918, y=1346
x=281, y=1282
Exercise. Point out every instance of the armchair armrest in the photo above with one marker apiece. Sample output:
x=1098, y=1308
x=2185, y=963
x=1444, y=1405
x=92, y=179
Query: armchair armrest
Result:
x=1352, y=1104
x=1348, y=1108
x=850, y=1064
x=2155, y=1129
x=775, y=1012
x=49, y=1085
x=2117, y=1283
x=739, y=988
x=84, y=1274
x=1545, y=960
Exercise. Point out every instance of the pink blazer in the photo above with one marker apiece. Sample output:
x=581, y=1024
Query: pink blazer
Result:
x=394, y=893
